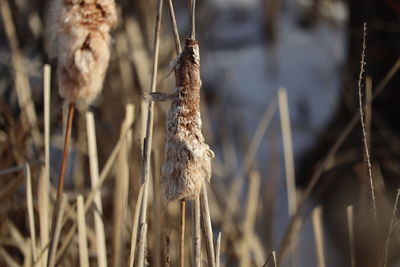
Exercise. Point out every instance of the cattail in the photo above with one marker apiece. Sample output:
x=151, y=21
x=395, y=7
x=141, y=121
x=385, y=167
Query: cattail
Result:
x=187, y=158
x=79, y=37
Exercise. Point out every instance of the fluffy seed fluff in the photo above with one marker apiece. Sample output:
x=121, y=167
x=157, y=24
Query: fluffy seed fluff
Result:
x=187, y=157
x=78, y=34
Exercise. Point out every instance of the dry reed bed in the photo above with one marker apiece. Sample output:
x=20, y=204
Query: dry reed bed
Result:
x=105, y=221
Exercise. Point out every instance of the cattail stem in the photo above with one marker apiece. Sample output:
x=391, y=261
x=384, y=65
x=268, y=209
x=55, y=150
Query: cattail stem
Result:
x=174, y=27
x=71, y=109
x=193, y=20
x=196, y=232
x=182, y=234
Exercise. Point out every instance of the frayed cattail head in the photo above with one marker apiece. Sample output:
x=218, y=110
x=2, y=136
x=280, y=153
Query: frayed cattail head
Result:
x=79, y=37
x=187, y=157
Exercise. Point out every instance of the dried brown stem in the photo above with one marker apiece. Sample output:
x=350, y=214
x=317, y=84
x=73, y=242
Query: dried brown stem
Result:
x=196, y=232
x=71, y=109
x=207, y=227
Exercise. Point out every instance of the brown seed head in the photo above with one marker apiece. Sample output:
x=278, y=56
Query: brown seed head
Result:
x=187, y=157
x=79, y=36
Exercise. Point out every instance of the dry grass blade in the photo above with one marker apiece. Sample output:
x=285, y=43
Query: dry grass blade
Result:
x=318, y=236
x=350, y=224
x=250, y=218
x=391, y=228
x=196, y=232
x=31, y=218
x=121, y=192
x=94, y=178
x=145, y=173
x=328, y=158
x=364, y=132
x=207, y=227
x=135, y=227
x=82, y=237
x=58, y=213
x=218, y=251
x=44, y=178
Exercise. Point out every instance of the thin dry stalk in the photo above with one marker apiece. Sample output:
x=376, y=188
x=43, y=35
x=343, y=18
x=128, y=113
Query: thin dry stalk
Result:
x=145, y=172
x=29, y=202
x=174, y=27
x=207, y=227
x=135, y=227
x=250, y=218
x=94, y=178
x=44, y=178
x=182, y=234
x=365, y=141
x=70, y=117
x=350, y=225
x=82, y=237
x=391, y=228
x=288, y=150
x=142, y=246
x=218, y=251
x=368, y=108
x=318, y=236
x=121, y=192
x=289, y=165
x=320, y=170
x=58, y=213
x=196, y=232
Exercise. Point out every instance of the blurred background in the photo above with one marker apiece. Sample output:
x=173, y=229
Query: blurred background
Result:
x=279, y=92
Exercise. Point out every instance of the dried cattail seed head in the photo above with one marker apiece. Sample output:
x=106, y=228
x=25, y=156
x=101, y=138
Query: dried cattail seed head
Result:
x=187, y=158
x=79, y=36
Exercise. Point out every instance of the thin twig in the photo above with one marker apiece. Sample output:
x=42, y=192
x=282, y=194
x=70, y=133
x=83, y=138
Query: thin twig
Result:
x=368, y=158
x=145, y=173
x=182, y=234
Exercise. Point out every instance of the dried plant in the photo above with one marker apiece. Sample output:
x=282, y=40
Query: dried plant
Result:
x=78, y=32
x=187, y=157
